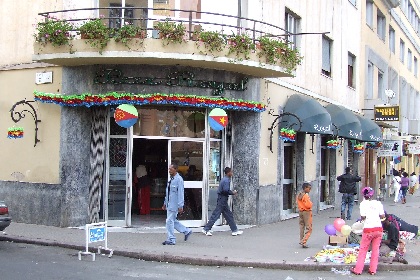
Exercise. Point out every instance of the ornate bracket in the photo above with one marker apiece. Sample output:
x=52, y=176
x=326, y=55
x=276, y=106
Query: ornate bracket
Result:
x=17, y=116
x=275, y=124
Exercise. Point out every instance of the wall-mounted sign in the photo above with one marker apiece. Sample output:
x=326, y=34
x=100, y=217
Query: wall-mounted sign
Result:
x=390, y=148
x=414, y=148
x=387, y=113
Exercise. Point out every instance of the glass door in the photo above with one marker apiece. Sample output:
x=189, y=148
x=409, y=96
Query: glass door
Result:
x=189, y=157
x=117, y=197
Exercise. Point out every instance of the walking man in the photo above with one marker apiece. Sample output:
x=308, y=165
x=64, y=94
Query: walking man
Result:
x=348, y=188
x=222, y=206
x=305, y=214
x=174, y=204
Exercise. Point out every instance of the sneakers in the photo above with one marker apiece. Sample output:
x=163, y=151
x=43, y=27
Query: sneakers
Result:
x=167, y=243
x=206, y=232
x=187, y=235
x=238, y=232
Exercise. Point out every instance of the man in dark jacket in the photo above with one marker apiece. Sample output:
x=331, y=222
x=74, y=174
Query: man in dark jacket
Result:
x=348, y=188
x=388, y=250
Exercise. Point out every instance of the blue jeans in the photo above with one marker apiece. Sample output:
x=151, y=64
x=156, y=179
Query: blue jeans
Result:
x=222, y=207
x=173, y=223
x=347, y=199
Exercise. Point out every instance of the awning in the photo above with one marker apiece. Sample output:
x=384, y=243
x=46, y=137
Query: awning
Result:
x=312, y=116
x=371, y=132
x=345, y=123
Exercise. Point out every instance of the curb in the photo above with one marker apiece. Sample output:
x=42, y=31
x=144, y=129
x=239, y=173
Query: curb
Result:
x=214, y=262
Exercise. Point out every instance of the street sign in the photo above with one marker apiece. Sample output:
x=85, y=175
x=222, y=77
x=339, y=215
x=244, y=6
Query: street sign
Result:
x=387, y=113
x=95, y=233
x=390, y=148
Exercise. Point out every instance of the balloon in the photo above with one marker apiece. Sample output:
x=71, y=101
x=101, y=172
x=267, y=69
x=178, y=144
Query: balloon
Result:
x=338, y=223
x=330, y=230
x=345, y=230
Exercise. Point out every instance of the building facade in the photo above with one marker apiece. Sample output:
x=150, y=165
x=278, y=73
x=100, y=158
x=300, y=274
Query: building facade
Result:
x=77, y=165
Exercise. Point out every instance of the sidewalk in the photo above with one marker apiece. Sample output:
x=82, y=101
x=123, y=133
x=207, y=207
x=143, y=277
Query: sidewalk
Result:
x=266, y=246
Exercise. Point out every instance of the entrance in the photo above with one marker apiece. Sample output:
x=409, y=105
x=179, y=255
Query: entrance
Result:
x=137, y=167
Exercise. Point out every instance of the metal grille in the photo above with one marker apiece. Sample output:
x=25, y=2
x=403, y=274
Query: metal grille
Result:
x=117, y=152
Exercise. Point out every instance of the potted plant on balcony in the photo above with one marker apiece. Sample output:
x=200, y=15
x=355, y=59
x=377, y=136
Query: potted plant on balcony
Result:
x=128, y=32
x=213, y=41
x=96, y=32
x=241, y=45
x=54, y=31
x=170, y=32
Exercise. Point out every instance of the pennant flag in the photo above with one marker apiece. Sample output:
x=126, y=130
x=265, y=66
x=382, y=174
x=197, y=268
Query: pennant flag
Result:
x=126, y=115
x=218, y=119
x=397, y=159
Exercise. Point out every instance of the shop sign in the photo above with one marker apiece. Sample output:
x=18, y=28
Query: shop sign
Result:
x=180, y=79
x=390, y=148
x=414, y=149
x=387, y=113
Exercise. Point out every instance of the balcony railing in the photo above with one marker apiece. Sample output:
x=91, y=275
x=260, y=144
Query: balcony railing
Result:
x=264, y=43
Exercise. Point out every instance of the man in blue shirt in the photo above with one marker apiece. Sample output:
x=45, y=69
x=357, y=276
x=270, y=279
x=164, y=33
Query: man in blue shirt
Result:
x=174, y=204
x=222, y=206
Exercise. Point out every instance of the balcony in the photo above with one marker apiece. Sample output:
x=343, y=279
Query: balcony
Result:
x=249, y=47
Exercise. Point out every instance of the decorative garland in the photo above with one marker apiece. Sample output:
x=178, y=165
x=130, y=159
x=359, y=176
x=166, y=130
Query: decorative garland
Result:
x=359, y=148
x=114, y=98
x=15, y=132
x=333, y=144
x=373, y=145
x=287, y=134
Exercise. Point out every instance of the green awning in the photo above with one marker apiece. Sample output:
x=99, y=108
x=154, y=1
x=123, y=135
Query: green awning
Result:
x=345, y=123
x=312, y=116
x=371, y=132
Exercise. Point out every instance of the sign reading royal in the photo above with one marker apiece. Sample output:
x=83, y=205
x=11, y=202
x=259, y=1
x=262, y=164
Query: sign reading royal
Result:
x=391, y=148
x=387, y=113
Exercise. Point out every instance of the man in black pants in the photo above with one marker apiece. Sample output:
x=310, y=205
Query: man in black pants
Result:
x=222, y=206
x=349, y=190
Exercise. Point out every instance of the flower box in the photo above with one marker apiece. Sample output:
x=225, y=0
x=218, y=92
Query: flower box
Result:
x=287, y=134
x=333, y=144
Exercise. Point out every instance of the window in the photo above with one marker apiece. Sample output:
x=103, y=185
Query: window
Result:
x=402, y=50
x=351, y=68
x=381, y=25
x=369, y=92
x=391, y=39
x=292, y=25
x=326, y=56
x=369, y=13
x=415, y=67
x=409, y=58
x=381, y=89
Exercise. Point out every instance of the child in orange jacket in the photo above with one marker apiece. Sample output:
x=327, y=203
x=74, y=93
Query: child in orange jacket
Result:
x=305, y=214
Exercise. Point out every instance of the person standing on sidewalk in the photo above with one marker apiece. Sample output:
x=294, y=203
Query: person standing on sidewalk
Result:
x=222, y=206
x=413, y=183
x=305, y=214
x=396, y=185
x=371, y=212
x=174, y=204
x=405, y=182
x=348, y=188
x=382, y=188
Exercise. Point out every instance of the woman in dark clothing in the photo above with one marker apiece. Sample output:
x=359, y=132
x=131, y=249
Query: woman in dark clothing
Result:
x=401, y=224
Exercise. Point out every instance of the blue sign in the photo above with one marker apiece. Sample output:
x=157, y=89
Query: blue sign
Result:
x=97, y=234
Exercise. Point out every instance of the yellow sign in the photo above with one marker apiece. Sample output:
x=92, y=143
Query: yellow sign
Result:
x=387, y=113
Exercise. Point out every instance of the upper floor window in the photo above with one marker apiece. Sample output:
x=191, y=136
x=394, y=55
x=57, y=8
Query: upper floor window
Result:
x=409, y=58
x=415, y=67
x=402, y=51
x=350, y=71
x=292, y=22
x=369, y=92
x=391, y=39
x=369, y=13
x=326, y=56
x=381, y=25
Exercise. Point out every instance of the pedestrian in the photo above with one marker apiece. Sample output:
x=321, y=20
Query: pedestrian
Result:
x=405, y=182
x=371, y=212
x=413, y=183
x=388, y=251
x=382, y=187
x=222, y=206
x=348, y=188
x=174, y=204
x=396, y=185
x=305, y=214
